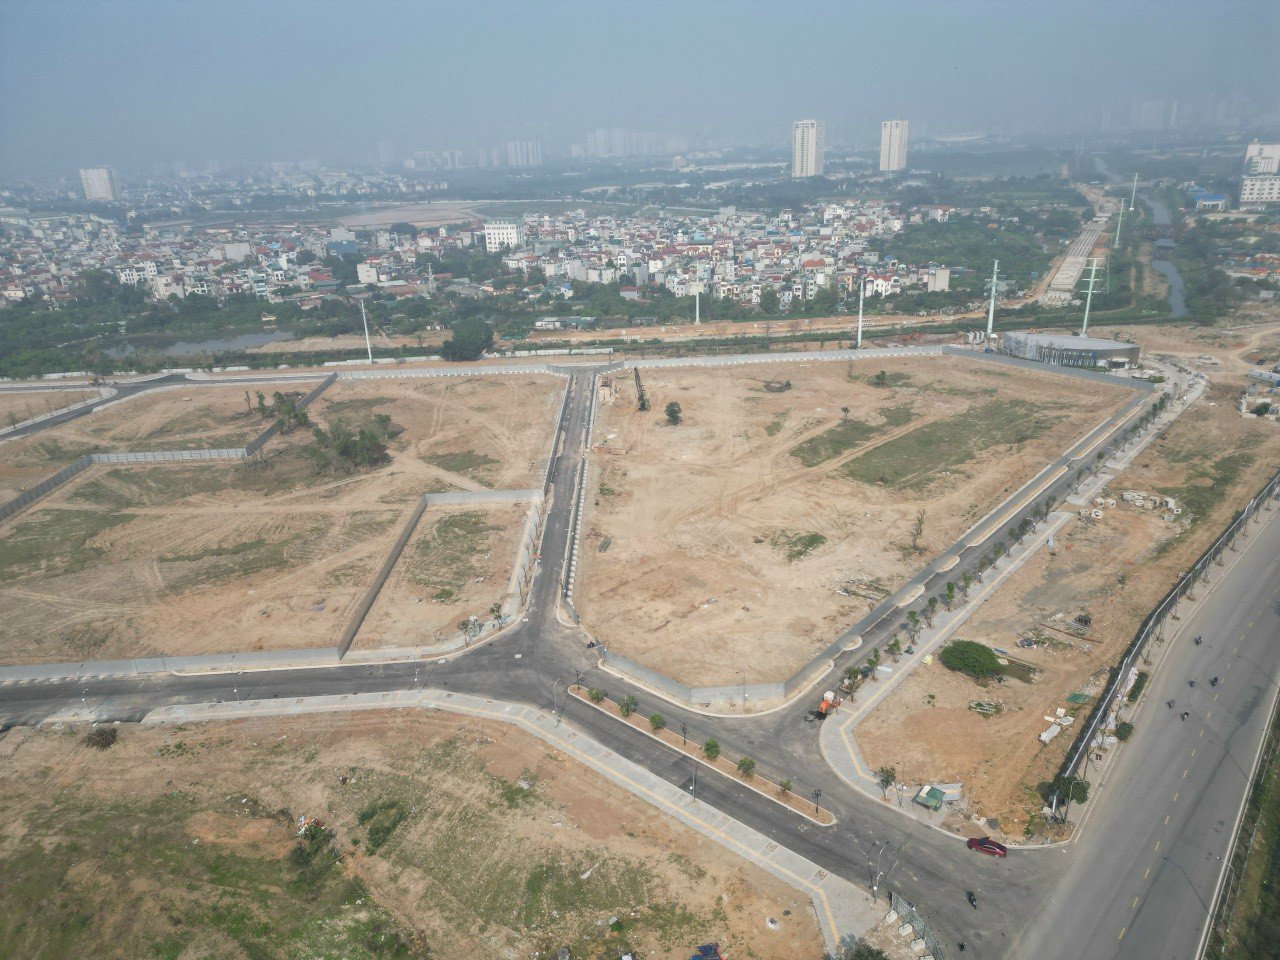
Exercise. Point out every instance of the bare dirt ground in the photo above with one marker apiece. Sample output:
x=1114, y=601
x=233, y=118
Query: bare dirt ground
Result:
x=758, y=529
x=467, y=433
x=16, y=407
x=1116, y=569
x=419, y=214
x=456, y=566
x=451, y=838
x=150, y=560
x=187, y=418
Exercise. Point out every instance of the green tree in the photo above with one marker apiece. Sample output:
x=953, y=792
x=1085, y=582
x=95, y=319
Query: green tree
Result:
x=627, y=705
x=471, y=337
x=769, y=301
x=711, y=749
x=863, y=951
x=881, y=379
x=657, y=722
x=784, y=785
x=950, y=594
x=596, y=695
x=886, y=777
x=917, y=531
x=967, y=656
x=932, y=608
x=674, y=413
x=746, y=768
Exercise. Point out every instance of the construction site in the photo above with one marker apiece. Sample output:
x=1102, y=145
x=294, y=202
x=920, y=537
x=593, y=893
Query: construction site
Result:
x=1065, y=617
x=275, y=550
x=785, y=501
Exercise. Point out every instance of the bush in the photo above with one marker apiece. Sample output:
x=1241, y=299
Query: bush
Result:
x=967, y=656
x=747, y=768
x=627, y=706
x=674, y=413
x=1124, y=731
x=595, y=695
x=657, y=722
x=1139, y=684
x=101, y=738
x=711, y=749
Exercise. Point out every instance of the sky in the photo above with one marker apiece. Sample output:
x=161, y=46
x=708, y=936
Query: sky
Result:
x=133, y=83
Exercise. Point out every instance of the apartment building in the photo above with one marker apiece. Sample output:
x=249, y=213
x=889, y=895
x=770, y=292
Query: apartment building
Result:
x=808, y=143
x=99, y=184
x=502, y=235
x=893, y=145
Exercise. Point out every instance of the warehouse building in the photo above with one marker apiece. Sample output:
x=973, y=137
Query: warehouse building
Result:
x=1067, y=351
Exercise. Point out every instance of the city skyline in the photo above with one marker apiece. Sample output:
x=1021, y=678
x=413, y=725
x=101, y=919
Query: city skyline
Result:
x=220, y=92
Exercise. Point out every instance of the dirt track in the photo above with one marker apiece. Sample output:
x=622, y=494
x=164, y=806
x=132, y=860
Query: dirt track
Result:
x=749, y=536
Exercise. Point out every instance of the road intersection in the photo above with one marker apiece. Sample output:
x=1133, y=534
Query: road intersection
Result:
x=1028, y=901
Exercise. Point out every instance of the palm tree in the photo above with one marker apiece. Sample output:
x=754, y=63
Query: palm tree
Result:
x=932, y=606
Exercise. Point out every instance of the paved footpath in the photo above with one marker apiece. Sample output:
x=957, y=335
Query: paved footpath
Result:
x=844, y=911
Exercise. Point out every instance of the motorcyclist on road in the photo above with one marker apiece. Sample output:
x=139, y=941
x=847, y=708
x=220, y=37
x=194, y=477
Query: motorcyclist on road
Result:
x=973, y=900
x=1199, y=640
x=1170, y=704
x=1192, y=683
x=1185, y=714
x=1213, y=682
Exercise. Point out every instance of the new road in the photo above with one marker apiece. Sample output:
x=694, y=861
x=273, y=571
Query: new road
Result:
x=1137, y=883
x=1140, y=881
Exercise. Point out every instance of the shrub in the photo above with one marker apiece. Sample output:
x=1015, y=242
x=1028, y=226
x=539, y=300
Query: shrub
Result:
x=747, y=768
x=785, y=785
x=1124, y=731
x=1139, y=684
x=711, y=749
x=627, y=706
x=657, y=722
x=674, y=413
x=967, y=656
x=596, y=695
x=101, y=738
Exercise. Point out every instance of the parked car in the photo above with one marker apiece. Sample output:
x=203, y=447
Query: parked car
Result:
x=988, y=846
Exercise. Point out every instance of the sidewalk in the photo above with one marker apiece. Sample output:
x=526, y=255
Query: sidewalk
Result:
x=836, y=739
x=843, y=910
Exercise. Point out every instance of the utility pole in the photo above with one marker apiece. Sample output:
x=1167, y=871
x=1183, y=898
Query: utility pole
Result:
x=697, y=307
x=1088, y=297
x=861, y=289
x=1134, y=195
x=364, y=318
x=991, y=311
x=1119, y=224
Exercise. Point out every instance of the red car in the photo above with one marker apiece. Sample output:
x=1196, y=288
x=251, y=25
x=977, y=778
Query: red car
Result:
x=988, y=846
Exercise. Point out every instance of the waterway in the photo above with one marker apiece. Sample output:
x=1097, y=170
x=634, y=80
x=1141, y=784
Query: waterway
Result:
x=1160, y=263
x=188, y=348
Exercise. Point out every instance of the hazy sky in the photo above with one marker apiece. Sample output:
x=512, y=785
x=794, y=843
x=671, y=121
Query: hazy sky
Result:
x=132, y=82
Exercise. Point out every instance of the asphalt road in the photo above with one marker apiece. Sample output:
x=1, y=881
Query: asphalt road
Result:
x=533, y=662
x=1140, y=881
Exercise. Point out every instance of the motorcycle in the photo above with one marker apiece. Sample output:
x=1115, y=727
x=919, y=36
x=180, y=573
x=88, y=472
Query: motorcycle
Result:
x=1191, y=683
x=1199, y=640
x=1170, y=703
x=1213, y=682
x=973, y=901
x=1185, y=714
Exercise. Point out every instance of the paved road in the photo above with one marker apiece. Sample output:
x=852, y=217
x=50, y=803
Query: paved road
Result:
x=1139, y=882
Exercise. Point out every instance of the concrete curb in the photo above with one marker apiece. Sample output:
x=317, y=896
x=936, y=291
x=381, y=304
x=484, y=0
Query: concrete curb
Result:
x=843, y=911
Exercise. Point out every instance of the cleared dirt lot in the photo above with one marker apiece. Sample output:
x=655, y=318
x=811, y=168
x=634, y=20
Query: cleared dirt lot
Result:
x=455, y=566
x=450, y=838
x=1116, y=569
x=16, y=407
x=766, y=522
x=147, y=560
x=469, y=433
x=188, y=418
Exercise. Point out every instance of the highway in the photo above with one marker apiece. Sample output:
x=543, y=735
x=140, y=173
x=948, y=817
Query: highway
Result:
x=1021, y=898
x=1140, y=880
